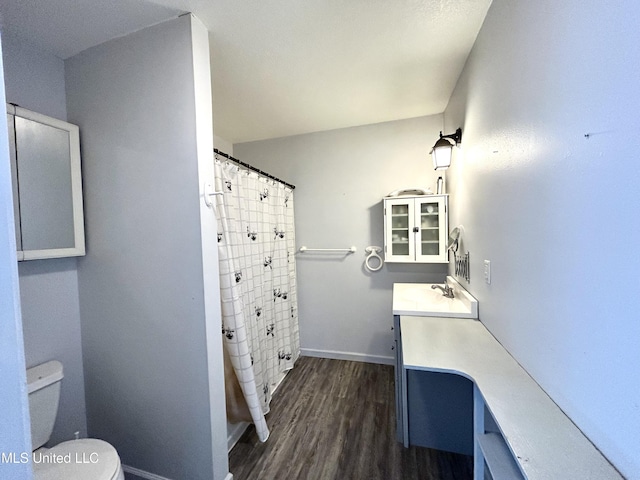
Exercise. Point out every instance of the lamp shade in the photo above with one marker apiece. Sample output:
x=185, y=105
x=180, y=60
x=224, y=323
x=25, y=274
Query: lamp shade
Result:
x=441, y=154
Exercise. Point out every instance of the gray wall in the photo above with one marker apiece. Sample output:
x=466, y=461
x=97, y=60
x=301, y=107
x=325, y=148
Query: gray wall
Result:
x=153, y=382
x=555, y=212
x=34, y=79
x=221, y=144
x=48, y=288
x=341, y=177
x=14, y=434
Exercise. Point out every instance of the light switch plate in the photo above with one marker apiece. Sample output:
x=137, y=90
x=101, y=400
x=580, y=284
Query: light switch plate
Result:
x=487, y=272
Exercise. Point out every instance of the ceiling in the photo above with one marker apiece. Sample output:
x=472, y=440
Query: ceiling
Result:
x=286, y=67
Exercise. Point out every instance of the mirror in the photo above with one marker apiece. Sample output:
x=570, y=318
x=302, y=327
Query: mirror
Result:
x=47, y=186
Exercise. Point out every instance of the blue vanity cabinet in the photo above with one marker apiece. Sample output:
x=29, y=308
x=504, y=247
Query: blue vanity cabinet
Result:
x=433, y=409
x=439, y=411
x=397, y=348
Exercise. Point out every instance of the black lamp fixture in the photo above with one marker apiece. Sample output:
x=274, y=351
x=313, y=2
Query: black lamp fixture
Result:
x=441, y=151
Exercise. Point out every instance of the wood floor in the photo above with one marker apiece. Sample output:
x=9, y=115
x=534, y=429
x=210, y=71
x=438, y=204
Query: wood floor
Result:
x=334, y=419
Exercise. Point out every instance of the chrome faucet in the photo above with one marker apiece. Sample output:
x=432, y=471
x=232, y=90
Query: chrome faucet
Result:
x=447, y=291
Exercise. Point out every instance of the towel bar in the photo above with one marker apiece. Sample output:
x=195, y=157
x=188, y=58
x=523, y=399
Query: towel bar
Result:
x=304, y=249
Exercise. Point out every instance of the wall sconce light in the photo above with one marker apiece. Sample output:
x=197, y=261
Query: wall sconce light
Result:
x=441, y=151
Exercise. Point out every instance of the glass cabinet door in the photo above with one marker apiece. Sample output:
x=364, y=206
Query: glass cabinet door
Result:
x=431, y=218
x=399, y=230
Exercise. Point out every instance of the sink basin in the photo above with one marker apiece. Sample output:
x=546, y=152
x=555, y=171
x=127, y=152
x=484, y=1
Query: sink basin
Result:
x=419, y=299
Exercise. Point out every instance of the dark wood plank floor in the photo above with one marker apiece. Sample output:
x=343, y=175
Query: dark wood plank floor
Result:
x=334, y=419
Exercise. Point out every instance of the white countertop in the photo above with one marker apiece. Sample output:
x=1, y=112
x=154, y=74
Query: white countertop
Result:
x=548, y=445
x=420, y=299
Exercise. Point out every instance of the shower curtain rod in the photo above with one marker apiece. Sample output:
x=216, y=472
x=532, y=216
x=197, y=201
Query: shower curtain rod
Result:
x=252, y=168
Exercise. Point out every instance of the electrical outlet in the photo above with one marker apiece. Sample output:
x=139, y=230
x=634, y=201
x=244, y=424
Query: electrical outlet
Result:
x=487, y=272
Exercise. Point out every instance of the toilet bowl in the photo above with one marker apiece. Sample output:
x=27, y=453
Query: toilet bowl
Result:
x=87, y=458
x=82, y=459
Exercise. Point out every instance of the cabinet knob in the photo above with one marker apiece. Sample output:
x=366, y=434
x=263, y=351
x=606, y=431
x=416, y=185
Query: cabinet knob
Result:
x=393, y=348
x=416, y=229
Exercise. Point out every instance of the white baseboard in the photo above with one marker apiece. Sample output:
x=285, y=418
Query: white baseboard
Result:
x=234, y=432
x=152, y=476
x=355, y=357
x=142, y=473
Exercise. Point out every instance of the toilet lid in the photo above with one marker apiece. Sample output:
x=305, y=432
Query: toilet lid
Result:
x=87, y=458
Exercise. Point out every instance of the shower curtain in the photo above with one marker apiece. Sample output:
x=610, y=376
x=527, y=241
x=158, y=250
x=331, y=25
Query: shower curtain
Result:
x=256, y=246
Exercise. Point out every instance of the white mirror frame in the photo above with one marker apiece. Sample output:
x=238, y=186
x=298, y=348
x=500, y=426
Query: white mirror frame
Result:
x=76, y=187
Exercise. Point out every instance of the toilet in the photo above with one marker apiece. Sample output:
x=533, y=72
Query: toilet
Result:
x=81, y=459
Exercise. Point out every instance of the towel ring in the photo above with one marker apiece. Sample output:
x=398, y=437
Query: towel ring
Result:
x=373, y=253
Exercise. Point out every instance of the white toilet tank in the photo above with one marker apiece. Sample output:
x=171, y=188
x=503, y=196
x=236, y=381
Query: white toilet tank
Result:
x=43, y=382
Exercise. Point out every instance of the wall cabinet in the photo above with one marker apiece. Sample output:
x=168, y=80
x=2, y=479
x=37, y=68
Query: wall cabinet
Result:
x=415, y=229
x=47, y=185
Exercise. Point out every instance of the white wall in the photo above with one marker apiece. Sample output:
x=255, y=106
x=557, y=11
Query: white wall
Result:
x=147, y=303
x=48, y=288
x=555, y=212
x=341, y=177
x=15, y=436
x=202, y=101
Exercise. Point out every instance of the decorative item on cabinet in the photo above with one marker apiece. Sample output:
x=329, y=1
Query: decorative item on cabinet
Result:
x=415, y=229
x=47, y=185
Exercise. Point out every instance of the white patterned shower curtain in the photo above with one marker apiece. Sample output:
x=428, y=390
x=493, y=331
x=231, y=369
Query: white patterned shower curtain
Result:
x=256, y=245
